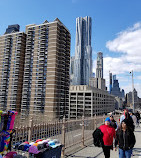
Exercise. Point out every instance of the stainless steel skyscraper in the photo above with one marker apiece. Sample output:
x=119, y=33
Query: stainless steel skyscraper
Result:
x=110, y=82
x=83, y=51
x=99, y=69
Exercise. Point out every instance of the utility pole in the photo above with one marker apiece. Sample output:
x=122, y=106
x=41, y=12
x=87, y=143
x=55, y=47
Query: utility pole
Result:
x=133, y=92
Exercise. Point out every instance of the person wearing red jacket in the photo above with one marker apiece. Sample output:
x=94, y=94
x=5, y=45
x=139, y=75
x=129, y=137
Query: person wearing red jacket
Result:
x=108, y=135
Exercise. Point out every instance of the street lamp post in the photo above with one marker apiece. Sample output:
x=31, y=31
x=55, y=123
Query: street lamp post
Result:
x=133, y=92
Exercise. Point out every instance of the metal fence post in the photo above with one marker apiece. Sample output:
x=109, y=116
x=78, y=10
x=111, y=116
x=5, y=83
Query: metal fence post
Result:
x=30, y=130
x=83, y=131
x=103, y=118
x=95, y=122
x=63, y=137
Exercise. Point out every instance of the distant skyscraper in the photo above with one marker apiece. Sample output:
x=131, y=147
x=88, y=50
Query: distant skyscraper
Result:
x=114, y=78
x=83, y=51
x=46, y=70
x=99, y=68
x=93, y=74
x=99, y=81
x=12, y=55
x=123, y=93
x=12, y=29
x=110, y=82
x=116, y=89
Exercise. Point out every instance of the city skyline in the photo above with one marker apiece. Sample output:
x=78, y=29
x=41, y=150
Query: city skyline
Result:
x=116, y=30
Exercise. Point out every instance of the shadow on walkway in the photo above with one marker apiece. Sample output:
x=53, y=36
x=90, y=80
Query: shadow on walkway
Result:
x=137, y=151
x=137, y=131
x=86, y=156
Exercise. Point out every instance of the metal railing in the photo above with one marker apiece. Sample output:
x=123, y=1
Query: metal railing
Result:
x=68, y=132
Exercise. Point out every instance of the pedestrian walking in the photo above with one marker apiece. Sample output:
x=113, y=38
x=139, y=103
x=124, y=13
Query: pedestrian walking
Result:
x=113, y=123
x=134, y=118
x=125, y=138
x=108, y=135
x=138, y=117
x=122, y=117
x=129, y=119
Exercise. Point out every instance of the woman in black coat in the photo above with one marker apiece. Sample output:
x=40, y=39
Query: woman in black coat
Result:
x=125, y=138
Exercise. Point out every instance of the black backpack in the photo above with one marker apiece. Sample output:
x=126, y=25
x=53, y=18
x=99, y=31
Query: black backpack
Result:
x=113, y=124
x=98, y=138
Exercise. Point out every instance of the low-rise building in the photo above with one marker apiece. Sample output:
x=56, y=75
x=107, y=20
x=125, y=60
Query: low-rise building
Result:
x=88, y=101
x=118, y=103
x=97, y=83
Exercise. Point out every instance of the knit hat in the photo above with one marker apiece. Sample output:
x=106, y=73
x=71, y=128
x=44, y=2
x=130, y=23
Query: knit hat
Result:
x=38, y=140
x=33, y=149
x=21, y=146
x=15, y=146
x=11, y=154
x=19, y=156
x=26, y=147
x=55, y=143
x=26, y=142
x=31, y=143
x=40, y=146
x=35, y=144
x=51, y=143
x=108, y=119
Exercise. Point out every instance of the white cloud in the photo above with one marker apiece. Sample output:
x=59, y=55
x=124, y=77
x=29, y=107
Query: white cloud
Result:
x=94, y=66
x=127, y=88
x=139, y=77
x=137, y=25
x=137, y=86
x=120, y=65
x=128, y=45
x=128, y=42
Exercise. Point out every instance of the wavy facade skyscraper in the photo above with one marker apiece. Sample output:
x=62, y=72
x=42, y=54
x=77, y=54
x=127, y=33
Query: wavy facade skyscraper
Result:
x=83, y=51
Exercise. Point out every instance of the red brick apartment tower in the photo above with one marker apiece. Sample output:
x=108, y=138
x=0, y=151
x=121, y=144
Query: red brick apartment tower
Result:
x=46, y=70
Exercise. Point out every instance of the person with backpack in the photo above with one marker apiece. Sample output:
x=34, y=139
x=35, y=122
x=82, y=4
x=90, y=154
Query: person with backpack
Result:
x=98, y=138
x=125, y=138
x=113, y=123
x=108, y=135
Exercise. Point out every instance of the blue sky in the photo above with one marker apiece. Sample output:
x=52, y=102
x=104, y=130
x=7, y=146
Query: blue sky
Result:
x=116, y=29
